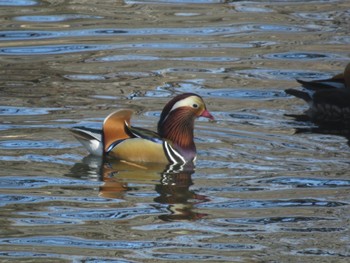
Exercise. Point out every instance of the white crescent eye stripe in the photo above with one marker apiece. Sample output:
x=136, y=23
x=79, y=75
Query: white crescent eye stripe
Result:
x=187, y=102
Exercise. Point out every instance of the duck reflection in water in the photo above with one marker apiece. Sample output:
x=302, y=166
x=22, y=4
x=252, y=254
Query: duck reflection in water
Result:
x=171, y=182
x=308, y=125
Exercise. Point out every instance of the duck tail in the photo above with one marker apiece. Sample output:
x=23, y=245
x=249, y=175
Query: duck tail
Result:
x=89, y=138
x=299, y=94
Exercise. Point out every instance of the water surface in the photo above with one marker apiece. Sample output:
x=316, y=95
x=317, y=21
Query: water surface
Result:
x=266, y=187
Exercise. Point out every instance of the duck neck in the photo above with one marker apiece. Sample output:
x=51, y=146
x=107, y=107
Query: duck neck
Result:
x=177, y=127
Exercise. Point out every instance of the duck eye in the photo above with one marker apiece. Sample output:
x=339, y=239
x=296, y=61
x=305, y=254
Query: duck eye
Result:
x=195, y=105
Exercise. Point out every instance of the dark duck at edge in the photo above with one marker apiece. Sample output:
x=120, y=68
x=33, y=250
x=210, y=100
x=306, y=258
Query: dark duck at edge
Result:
x=328, y=99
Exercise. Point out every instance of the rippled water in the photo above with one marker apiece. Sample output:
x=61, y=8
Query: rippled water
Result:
x=266, y=187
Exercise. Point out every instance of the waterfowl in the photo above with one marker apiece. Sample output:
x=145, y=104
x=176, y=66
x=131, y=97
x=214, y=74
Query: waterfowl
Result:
x=171, y=144
x=328, y=99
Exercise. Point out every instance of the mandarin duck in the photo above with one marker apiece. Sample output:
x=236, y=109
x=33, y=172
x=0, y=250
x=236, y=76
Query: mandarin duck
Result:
x=172, y=144
x=328, y=99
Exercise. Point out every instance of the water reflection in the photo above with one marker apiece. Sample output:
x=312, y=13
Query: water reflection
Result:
x=120, y=179
x=340, y=130
x=174, y=191
x=337, y=128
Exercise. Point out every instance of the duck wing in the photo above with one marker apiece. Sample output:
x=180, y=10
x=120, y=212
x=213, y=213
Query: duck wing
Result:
x=134, y=144
x=86, y=133
x=332, y=83
x=145, y=146
x=139, y=150
x=311, y=87
x=138, y=132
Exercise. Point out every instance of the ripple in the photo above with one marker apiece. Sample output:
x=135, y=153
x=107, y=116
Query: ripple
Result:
x=186, y=257
x=66, y=159
x=69, y=257
x=55, y=241
x=322, y=252
x=10, y=111
x=71, y=48
x=103, y=97
x=72, y=213
x=315, y=229
x=272, y=220
x=146, y=246
x=308, y=182
x=186, y=14
x=241, y=165
x=53, y=49
x=40, y=34
x=194, y=85
x=249, y=8
x=109, y=76
x=7, y=182
x=42, y=126
x=317, y=15
x=85, y=77
x=256, y=204
x=207, y=59
x=231, y=189
x=156, y=94
x=243, y=116
x=275, y=28
x=23, y=35
x=174, y=1
x=190, y=70
x=131, y=57
x=54, y=18
x=301, y=56
x=340, y=40
x=116, y=58
x=28, y=144
x=18, y=2
x=26, y=254
x=186, y=31
x=247, y=94
x=281, y=74
x=43, y=221
x=28, y=199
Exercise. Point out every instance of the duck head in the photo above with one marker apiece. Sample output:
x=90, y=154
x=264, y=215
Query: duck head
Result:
x=176, y=122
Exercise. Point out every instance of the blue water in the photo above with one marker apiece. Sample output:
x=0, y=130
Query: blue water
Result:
x=266, y=187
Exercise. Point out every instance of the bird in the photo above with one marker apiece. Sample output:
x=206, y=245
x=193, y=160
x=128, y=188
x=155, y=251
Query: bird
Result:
x=173, y=143
x=328, y=99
